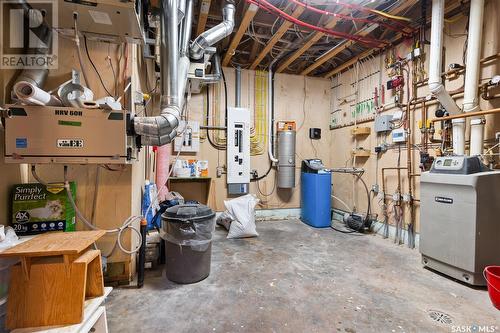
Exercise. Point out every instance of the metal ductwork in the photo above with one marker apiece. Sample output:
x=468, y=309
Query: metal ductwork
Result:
x=36, y=77
x=174, y=66
x=215, y=34
x=216, y=75
x=160, y=130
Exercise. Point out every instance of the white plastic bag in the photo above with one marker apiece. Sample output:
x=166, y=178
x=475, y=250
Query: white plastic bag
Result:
x=224, y=220
x=243, y=211
x=8, y=238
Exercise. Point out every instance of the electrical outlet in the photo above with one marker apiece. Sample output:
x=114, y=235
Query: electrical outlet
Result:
x=219, y=171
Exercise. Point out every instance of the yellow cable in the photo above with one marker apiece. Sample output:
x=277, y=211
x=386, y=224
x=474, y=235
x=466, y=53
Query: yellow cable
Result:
x=394, y=17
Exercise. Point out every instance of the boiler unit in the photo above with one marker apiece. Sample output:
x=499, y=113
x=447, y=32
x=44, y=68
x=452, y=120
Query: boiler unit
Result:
x=286, y=131
x=459, y=218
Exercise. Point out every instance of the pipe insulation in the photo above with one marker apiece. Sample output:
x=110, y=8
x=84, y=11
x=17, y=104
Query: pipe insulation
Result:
x=471, y=94
x=436, y=86
x=30, y=94
x=215, y=34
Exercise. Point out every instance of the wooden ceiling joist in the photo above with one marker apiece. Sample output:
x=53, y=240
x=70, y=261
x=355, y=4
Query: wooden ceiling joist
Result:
x=349, y=63
x=335, y=51
x=310, y=42
x=396, y=38
x=202, y=17
x=276, y=37
x=245, y=22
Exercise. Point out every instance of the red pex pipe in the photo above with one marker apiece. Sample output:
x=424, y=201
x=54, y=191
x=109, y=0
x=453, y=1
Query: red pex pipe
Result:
x=347, y=17
x=272, y=9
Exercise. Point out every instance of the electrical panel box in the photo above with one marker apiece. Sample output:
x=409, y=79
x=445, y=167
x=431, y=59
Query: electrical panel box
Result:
x=188, y=137
x=66, y=135
x=398, y=135
x=238, y=149
x=382, y=123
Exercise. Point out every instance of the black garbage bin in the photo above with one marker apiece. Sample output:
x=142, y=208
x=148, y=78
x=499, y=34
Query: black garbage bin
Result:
x=188, y=242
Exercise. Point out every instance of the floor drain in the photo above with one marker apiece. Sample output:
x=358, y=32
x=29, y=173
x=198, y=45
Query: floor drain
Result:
x=440, y=317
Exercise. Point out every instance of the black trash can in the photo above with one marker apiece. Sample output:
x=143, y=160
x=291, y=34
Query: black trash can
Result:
x=188, y=242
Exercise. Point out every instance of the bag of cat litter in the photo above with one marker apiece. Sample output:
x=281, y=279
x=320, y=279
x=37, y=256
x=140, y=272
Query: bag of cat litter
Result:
x=37, y=208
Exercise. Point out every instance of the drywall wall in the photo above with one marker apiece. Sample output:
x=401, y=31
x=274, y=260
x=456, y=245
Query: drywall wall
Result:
x=302, y=99
x=343, y=142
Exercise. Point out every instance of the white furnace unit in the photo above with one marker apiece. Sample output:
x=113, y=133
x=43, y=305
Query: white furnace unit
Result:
x=460, y=218
x=238, y=150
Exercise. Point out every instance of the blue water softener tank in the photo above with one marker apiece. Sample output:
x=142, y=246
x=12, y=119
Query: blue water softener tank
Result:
x=315, y=194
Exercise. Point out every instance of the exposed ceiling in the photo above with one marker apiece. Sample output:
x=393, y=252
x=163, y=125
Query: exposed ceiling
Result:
x=259, y=37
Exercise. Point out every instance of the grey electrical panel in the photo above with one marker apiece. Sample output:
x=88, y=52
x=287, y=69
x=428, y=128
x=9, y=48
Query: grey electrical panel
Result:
x=383, y=123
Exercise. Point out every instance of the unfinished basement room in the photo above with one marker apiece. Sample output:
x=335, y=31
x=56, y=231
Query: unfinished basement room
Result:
x=201, y=166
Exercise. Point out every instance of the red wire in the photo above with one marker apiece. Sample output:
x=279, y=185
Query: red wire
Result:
x=270, y=8
x=370, y=11
x=345, y=17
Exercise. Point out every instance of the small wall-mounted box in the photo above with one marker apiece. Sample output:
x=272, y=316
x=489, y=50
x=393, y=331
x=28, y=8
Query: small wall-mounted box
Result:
x=314, y=133
x=399, y=135
x=382, y=123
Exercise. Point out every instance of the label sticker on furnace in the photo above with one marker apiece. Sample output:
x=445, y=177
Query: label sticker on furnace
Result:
x=69, y=143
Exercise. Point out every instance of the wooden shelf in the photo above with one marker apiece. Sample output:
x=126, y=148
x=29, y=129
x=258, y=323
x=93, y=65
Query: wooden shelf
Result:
x=191, y=188
x=361, y=131
x=360, y=152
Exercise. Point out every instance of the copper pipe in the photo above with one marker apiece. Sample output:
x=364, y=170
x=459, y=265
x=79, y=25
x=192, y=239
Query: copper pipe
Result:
x=466, y=115
x=462, y=70
x=399, y=178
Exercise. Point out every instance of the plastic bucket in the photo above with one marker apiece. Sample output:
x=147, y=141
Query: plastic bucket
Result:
x=492, y=276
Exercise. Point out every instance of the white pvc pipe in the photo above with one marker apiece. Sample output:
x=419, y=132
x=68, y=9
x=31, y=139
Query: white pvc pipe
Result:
x=476, y=136
x=458, y=136
x=269, y=111
x=436, y=86
x=471, y=96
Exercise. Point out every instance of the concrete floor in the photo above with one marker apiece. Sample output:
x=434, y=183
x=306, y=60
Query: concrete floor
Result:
x=294, y=278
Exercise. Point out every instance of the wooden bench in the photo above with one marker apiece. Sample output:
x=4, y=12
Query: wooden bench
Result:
x=57, y=271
